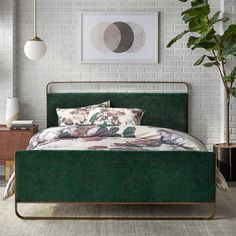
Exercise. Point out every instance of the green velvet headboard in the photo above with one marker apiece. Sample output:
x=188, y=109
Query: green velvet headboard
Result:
x=169, y=110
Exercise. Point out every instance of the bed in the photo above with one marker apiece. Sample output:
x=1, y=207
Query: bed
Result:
x=152, y=177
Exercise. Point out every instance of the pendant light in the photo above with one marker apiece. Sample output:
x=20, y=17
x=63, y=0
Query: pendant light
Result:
x=35, y=48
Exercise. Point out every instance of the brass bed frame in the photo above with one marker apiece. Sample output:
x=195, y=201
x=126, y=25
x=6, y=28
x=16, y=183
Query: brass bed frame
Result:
x=195, y=217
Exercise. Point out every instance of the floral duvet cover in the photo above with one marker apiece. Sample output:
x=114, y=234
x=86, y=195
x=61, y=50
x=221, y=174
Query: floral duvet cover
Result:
x=100, y=137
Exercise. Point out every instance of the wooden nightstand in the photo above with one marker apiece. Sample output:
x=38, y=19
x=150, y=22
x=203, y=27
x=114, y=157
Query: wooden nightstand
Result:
x=10, y=142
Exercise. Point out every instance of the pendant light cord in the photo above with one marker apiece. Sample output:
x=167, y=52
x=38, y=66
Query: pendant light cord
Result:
x=35, y=19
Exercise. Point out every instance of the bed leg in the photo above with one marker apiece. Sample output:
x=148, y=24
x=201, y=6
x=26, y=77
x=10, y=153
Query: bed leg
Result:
x=17, y=213
x=208, y=217
x=213, y=213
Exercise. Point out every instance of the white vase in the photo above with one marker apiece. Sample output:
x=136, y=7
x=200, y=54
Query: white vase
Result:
x=12, y=110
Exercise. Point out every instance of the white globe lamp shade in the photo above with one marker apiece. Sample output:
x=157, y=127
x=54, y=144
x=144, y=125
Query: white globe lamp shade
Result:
x=35, y=48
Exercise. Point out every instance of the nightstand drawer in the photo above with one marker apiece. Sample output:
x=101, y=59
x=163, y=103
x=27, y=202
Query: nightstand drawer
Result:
x=13, y=140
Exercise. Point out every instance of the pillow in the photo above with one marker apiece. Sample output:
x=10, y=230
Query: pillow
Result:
x=77, y=116
x=115, y=116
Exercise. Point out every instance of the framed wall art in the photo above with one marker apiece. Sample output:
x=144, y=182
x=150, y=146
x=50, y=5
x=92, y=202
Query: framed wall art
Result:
x=119, y=37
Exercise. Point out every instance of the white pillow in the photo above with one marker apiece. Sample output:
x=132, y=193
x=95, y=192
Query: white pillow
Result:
x=115, y=116
x=77, y=116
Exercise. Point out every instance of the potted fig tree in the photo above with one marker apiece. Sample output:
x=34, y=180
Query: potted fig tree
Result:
x=220, y=49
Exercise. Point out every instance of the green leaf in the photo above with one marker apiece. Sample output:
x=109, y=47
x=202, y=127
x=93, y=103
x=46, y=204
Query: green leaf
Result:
x=198, y=10
x=198, y=24
x=211, y=58
x=229, y=44
x=229, y=50
x=179, y=36
x=218, y=39
x=191, y=41
x=206, y=36
x=228, y=47
x=200, y=60
x=229, y=33
x=225, y=19
x=233, y=73
x=233, y=91
x=228, y=78
x=197, y=2
x=209, y=46
x=214, y=18
x=210, y=64
x=187, y=18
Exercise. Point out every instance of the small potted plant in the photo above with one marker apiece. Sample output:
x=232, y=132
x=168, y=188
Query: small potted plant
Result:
x=219, y=51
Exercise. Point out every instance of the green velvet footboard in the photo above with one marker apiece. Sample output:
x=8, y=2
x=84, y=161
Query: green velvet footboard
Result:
x=115, y=176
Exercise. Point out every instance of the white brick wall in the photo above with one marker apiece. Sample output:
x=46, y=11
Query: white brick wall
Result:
x=6, y=53
x=58, y=25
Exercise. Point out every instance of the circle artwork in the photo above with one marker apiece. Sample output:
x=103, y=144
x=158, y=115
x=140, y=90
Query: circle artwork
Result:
x=96, y=36
x=117, y=37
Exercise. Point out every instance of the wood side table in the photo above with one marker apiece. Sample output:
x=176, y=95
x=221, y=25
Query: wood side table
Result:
x=12, y=141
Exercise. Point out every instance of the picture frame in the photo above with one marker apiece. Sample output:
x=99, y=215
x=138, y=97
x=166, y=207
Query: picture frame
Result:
x=119, y=37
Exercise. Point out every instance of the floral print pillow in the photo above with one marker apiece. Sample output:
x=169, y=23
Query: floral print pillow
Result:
x=115, y=116
x=77, y=116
